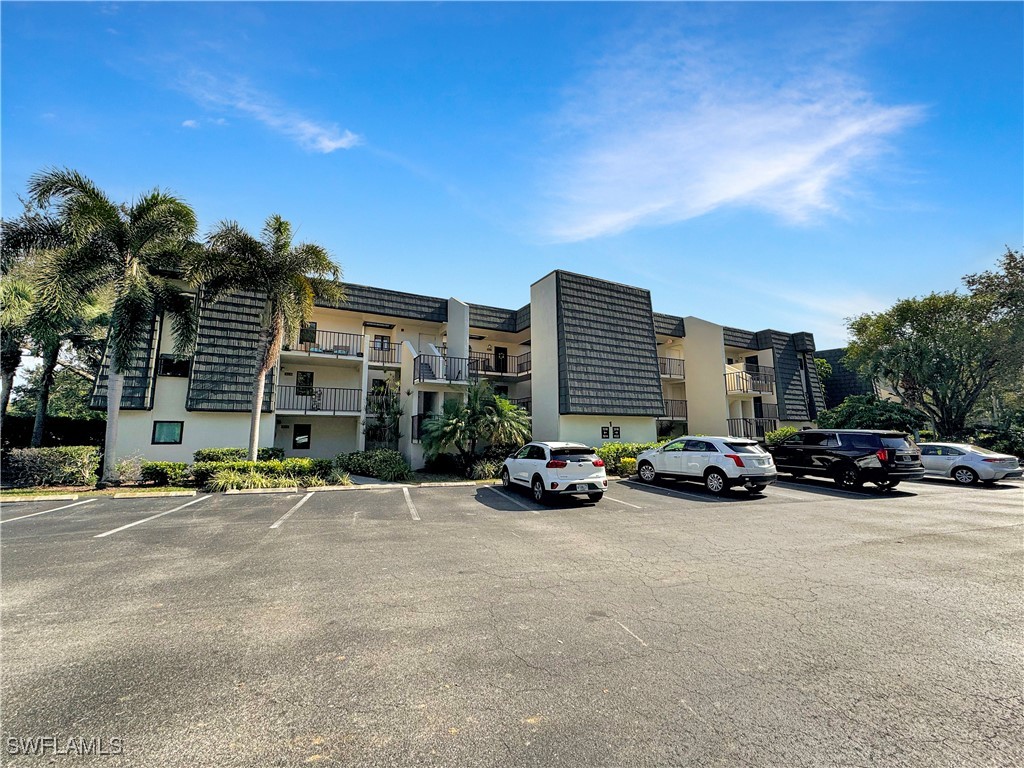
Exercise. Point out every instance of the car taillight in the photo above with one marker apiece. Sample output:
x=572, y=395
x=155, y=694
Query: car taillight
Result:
x=557, y=464
x=992, y=461
x=598, y=462
x=883, y=455
x=735, y=458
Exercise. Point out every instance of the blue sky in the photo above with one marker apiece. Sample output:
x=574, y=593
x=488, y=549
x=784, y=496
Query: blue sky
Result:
x=758, y=165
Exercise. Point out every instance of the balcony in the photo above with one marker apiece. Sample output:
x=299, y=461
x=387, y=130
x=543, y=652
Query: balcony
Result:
x=749, y=379
x=675, y=410
x=319, y=401
x=489, y=364
x=525, y=403
x=315, y=342
x=385, y=355
x=754, y=429
x=671, y=368
x=436, y=369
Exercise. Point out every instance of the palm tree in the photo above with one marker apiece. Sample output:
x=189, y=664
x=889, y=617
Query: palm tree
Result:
x=134, y=249
x=506, y=423
x=290, y=277
x=15, y=307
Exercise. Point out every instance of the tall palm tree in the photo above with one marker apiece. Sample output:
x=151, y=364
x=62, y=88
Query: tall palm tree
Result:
x=133, y=248
x=484, y=416
x=290, y=277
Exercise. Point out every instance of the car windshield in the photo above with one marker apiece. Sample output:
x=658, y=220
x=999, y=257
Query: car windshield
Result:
x=573, y=454
x=745, y=448
x=897, y=442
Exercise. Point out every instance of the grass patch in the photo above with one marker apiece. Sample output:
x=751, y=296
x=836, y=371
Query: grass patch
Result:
x=85, y=491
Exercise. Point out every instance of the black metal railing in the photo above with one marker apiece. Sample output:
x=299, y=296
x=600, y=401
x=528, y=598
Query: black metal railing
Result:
x=675, y=409
x=322, y=400
x=672, y=367
x=328, y=343
x=768, y=410
x=385, y=354
x=508, y=365
x=525, y=403
x=746, y=382
x=754, y=429
x=427, y=368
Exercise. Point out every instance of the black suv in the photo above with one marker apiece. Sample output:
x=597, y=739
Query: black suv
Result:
x=851, y=457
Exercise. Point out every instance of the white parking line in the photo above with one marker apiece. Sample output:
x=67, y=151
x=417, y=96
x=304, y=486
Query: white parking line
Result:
x=151, y=517
x=408, y=503
x=288, y=514
x=620, y=501
x=48, y=511
x=505, y=496
x=631, y=633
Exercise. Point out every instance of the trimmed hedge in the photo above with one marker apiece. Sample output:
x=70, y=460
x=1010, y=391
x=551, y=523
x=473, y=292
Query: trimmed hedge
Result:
x=613, y=453
x=385, y=464
x=165, y=472
x=237, y=454
x=778, y=435
x=203, y=471
x=65, y=465
x=627, y=466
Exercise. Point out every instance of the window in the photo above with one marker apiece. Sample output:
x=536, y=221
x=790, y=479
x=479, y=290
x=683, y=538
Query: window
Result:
x=928, y=450
x=700, y=446
x=525, y=453
x=382, y=342
x=675, y=445
x=307, y=334
x=301, y=437
x=537, y=452
x=167, y=432
x=303, y=383
x=172, y=365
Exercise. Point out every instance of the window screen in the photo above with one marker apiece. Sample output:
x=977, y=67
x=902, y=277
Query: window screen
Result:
x=167, y=432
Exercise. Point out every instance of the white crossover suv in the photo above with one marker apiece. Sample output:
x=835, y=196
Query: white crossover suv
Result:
x=967, y=464
x=556, y=469
x=718, y=462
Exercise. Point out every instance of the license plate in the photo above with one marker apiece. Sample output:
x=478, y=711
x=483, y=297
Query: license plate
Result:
x=581, y=487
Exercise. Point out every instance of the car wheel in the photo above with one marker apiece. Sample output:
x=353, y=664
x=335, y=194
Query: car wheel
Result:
x=647, y=472
x=539, y=494
x=715, y=482
x=595, y=497
x=848, y=477
x=887, y=485
x=506, y=481
x=755, y=489
x=965, y=476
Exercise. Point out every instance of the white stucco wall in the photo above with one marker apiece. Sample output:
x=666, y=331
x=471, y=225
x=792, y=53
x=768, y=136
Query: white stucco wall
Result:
x=329, y=435
x=587, y=429
x=544, y=356
x=707, y=407
x=200, y=430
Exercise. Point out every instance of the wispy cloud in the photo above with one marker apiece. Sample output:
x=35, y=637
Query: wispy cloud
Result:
x=240, y=97
x=675, y=126
x=190, y=124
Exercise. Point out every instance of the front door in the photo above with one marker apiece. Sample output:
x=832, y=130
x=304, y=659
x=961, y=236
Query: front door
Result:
x=501, y=359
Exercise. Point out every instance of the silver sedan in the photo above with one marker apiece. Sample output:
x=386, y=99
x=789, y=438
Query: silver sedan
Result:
x=967, y=464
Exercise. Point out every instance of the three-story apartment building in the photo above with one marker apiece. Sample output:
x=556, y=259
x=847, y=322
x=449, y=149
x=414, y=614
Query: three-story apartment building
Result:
x=589, y=359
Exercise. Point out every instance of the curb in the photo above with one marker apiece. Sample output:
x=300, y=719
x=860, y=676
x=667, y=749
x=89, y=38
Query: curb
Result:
x=381, y=487
x=13, y=499
x=449, y=484
x=154, y=495
x=264, y=490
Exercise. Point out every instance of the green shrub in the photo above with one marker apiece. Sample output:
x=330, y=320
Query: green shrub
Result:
x=613, y=453
x=236, y=454
x=64, y=465
x=357, y=463
x=1010, y=440
x=203, y=471
x=322, y=468
x=337, y=477
x=627, y=466
x=310, y=481
x=486, y=469
x=129, y=469
x=295, y=467
x=390, y=466
x=925, y=436
x=776, y=436
x=446, y=464
x=165, y=472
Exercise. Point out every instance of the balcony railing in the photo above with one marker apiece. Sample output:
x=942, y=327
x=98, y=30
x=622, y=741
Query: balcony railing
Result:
x=324, y=401
x=760, y=381
x=768, y=410
x=672, y=368
x=525, y=403
x=312, y=341
x=435, y=368
x=675, y=409
x=755, y=429
x=488, y=363
x=391, y=354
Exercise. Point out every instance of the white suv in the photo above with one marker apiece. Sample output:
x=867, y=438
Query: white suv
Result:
x=718, y=462
x=556, y=469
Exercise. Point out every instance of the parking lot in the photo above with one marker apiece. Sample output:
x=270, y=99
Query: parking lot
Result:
x=471, y=626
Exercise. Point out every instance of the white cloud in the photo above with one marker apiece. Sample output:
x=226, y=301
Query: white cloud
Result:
x=673, y=128
x=240, y=97
x=190, y=124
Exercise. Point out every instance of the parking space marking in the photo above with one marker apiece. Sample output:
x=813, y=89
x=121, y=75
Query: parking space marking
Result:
x=48, y=511
x=787, y=493
x=151, y=517
x=824, y=490
x=288, y=514
x=408, y=503
x=507, y=497
x=620, y=501
x=684, y=494
x=631, y=633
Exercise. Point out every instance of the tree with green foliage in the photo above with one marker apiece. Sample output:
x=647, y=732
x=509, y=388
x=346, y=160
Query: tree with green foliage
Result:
x=824, y=369
x=940, y=353
x=68, y=396
x=132, y=249
x=289, y=277
x=871, y=412
x=483, y=417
